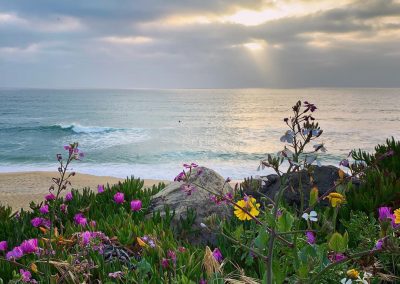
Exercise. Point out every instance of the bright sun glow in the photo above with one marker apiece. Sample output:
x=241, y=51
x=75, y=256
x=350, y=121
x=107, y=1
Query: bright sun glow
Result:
x=254, y=46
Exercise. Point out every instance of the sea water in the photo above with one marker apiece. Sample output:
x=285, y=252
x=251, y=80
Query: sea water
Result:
x=151, y=133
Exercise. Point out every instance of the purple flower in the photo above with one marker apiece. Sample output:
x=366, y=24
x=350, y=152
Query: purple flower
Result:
x=192, y=165
x=64, y=208
x=50, y=197
x=29, y=246
x=92, y=223
x=188, y=188
x=37, y=221
x=217, y=255
x=180, y=177
x=379, y=243
x=25, y=275
x=46, y=222
x=15, y=254
x=202, y=281
x=68, y=196
x=3, y=245
x=67, y=147
x=80, y=219
x=310, y=237
x=136, y=205
x=309, y=106
x=100, y=188
x=385, y=213
x=44, y=209
x=86, y=236
x=164, y=263
x=335, y=257
x=119, y=198
x=344, y=163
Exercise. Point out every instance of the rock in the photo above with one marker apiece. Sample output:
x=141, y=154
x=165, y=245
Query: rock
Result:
x=324, y=178
x=178, y=200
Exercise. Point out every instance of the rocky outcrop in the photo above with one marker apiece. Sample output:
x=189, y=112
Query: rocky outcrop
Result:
x=324, y=178
x=178, y=199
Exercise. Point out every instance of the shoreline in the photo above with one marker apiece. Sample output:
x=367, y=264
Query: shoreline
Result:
x=18, y=189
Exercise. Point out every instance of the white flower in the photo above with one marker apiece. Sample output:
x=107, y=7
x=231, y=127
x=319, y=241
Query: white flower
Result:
x=346, y=281
x=288, y=137
x=311, y=159
x=203, y=225
x=312, y=216
x=320, y=147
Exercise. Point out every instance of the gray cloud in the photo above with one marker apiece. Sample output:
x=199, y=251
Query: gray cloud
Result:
x=175, y=44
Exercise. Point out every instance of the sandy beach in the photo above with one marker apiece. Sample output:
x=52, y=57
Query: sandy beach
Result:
x=18, y=189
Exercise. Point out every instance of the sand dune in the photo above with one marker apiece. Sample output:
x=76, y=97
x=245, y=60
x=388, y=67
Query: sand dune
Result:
x=20, y=188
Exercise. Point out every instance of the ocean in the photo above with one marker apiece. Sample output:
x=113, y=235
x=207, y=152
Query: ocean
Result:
x=151, y=133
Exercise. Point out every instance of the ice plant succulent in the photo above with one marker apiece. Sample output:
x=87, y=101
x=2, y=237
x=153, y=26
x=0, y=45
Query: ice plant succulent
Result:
x=217, y=255
x=248, y=204
x=68, y=196
x=3, y=246
x=100, y=188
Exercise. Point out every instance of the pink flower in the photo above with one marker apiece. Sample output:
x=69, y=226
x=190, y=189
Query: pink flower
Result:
x=29, y=246
x=15, y=254
x=80, y=219
x=192, y=165
x=217, y=255
x=50, y=197
x=3, y=246
x=37, y=221
x=119, y=198
x=182, y=249
x=202, y=281
x=310, y=237
x=68, y=196
x=136, y=205
x=164, y=263
x=171, y=255
x=64, y=208
x=116, y=274
x=92, y=223
x=188, y=188
x=100, y=188
x=25, y=275
x=44, y=209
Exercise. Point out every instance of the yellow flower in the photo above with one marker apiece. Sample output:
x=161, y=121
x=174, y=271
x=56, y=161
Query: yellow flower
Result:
x=397, y=216
x=249, y=204
x=352, y=273
x=336, y=199
x=141, y=242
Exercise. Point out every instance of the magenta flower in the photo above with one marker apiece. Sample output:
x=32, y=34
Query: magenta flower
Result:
x=192, y=165
x=335, y=257
x=188, y=188
x=119, y=198
x=202, y=281
x=25, y=275
x=136, y=205
x=310, y=237
x=100, y=188
x=217, y=255
x=171, y=255
x=64, y=208
x=15, y=254
x=68, y=196
x=80, y=219
x=44, y=209
x=385, y=213
x=164, y=263
x=29, y=246
x=46, y=222
x=37, y=221
x=50, y=197
x=3, y=245
x=180, y=177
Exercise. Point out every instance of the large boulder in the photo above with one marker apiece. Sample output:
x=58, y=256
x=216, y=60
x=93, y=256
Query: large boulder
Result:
x=324, y=178
x=174, y=197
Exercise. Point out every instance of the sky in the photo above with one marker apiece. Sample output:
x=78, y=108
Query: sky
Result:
x=199, y=43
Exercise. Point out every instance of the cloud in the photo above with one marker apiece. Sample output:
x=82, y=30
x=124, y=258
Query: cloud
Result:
x=282, y=43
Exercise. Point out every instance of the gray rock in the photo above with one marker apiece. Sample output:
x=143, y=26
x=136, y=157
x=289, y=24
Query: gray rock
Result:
x=324, y=179
x=178, y=200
